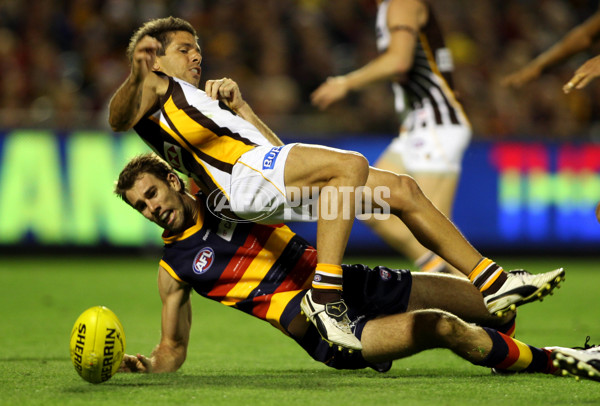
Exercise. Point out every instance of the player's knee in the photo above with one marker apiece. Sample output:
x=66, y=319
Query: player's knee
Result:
x=447, y=325
x=438, y=325
x=355, y=166
x=409, y=186
x=348, y=168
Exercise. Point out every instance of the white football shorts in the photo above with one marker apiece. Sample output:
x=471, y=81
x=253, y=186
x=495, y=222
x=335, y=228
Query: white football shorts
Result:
x=430, y=148
x=257, y=191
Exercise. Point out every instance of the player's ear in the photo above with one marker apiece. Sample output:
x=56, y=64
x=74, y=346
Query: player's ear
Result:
x=174, y=182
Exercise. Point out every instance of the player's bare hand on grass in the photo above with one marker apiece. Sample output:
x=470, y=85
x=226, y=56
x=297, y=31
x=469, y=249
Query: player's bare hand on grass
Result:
x=227, y=91
x=138, y=363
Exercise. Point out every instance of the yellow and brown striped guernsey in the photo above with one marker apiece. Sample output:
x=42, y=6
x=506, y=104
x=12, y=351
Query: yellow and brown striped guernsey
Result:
x=197, y=135
x=259, y=269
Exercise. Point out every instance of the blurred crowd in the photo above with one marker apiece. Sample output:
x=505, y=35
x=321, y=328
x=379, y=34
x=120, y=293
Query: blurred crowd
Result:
x=62, y=60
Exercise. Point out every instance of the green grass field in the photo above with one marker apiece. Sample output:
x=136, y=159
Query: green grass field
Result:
x=235, y=359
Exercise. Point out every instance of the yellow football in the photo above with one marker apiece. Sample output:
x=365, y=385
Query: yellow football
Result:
x=97, y=344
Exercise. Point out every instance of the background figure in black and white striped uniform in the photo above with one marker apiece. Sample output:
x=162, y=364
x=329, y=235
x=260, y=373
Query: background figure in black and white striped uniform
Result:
x=434, y=131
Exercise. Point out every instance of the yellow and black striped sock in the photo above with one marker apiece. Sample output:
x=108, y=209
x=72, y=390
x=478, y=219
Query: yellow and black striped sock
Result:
x=327, y=283
x=509, y=354
x=487, y=276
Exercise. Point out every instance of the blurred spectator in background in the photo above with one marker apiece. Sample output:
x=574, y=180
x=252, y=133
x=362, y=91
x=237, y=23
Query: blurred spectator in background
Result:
x=59, y=60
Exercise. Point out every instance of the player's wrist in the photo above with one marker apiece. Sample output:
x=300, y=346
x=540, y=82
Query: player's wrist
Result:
x=242, y=109
x=136, y=78
x=343, y=82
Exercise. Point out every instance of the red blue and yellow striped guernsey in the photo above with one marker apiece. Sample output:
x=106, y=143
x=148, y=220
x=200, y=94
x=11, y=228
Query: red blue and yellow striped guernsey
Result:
x=259, y=269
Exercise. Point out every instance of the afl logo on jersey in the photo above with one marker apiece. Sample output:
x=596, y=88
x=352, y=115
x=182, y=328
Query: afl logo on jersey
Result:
x=204, y=259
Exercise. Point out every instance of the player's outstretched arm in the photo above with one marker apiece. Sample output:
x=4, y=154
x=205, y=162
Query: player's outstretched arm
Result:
x=228, y=91
x=170, y=354
x=140, y=90
x=405, y=19
x=576, y=40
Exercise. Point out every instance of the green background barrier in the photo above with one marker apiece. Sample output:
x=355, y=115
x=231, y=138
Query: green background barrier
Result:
x=56, y=190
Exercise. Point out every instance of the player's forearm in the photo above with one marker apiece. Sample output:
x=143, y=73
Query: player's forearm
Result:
x=125, y=105
x=246, y=112
x=385, y=67
x=576, y=40
x=570, y=45
x=168, y=358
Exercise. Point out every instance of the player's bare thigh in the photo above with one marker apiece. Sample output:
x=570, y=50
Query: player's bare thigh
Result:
x=314, y=165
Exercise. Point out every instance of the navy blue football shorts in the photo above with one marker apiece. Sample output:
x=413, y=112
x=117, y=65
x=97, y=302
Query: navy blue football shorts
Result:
x=368, y=293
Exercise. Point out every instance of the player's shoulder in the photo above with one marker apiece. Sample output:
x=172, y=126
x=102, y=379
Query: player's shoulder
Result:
x=191, y=93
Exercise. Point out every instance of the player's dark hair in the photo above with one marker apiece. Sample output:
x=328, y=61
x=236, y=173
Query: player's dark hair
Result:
x=160, y=28
x=141, y=164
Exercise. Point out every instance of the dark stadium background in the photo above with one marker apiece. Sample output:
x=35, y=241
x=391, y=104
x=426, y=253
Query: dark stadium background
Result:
x=531, y=182
x=60, y=61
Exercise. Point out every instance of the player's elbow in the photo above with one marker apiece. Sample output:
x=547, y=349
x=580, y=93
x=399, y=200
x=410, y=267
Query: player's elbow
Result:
x=400, y=68
x=397, y=63
x=118, y=125
x=117, y=128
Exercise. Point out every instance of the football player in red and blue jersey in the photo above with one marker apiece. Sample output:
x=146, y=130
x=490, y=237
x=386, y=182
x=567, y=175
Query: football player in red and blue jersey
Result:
x=265, y=270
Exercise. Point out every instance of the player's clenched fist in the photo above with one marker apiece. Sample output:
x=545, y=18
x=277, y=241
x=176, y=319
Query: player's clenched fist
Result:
x=144, y=56
x=225, y=90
